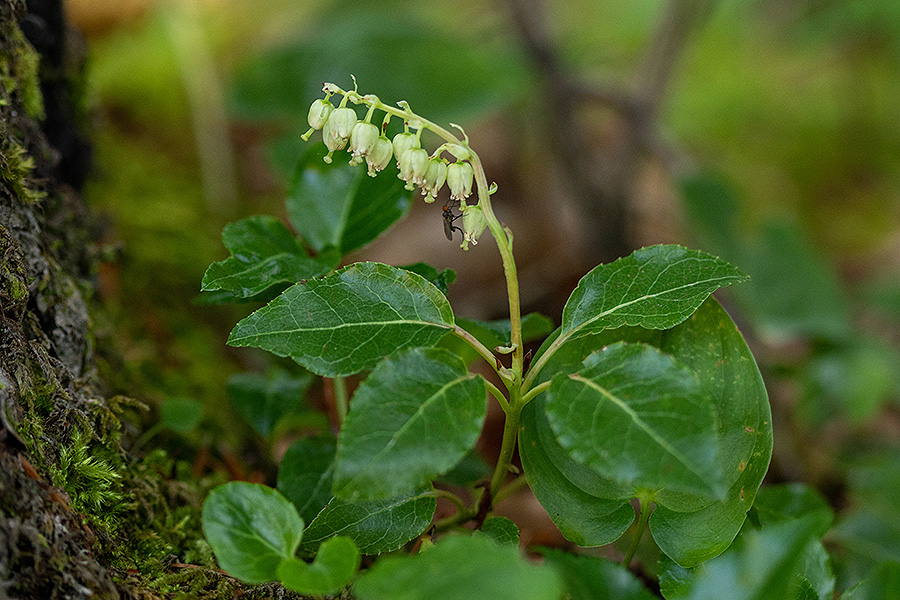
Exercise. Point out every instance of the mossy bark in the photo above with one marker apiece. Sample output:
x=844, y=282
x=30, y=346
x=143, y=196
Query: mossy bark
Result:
x=60, y=462
x=48, y=383
x=79, y=517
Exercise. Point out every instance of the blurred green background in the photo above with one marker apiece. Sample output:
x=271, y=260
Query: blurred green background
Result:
x=764, y=131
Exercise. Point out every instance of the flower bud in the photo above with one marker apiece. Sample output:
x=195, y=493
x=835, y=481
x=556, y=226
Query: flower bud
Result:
x=459, y=152
x=332, y=142
x=342, y=121
x=403, y=142
x=362, y=138
x=435, y=175
x=459, y=179
x=380, y=155
x=413, y=165
x=319, y=113
x=473, y=225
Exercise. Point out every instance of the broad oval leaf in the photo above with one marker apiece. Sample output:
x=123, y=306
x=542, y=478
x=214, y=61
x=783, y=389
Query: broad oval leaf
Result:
x=656, y=287
x=336, y=563
x=784, y=502
x=346, y=322
x=711, y=345
x=591, y=577
x=263, y=254
x=760, y=565
x=882, y=582
x=376, y=525
x=412, y=419
x=264, y=399
x=689, y=529
x=339, y=205
x=588, y=509
x=459, y=568
x=251, y=529
x=442, y=280
x=305, y=474
x=501, y=530
x=637, y=416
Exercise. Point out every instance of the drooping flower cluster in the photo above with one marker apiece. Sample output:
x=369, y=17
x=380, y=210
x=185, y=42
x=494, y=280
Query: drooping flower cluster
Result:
x=341, y=126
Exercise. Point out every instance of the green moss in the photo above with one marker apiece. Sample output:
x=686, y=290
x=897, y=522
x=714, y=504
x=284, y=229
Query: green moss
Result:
x=15, y=169
x=93, y=484
x=28, y=63
x=19, y=71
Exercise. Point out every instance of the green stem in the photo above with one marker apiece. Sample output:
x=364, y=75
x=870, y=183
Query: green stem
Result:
x=460, y=507
x=339, y=384
x=512, y=378
x=540, y=362
x=464, y=514
x=514, y=485
x=480, y=348
x=508, y=446
x=643, y=517
x=530, y=395
x=495, y=391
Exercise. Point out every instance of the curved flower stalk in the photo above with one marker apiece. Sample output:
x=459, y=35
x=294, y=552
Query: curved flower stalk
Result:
x=430, y=172
x=342, y=128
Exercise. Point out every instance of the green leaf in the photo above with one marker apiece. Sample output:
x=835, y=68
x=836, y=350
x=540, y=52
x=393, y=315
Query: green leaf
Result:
x=412, y=419
x=459, y=568
x=180, y=414
x=882, y=583
x=440, y=279
x=264, y=400
x=305, y=474
x=377, y=525
x=589, y=578
x=793, y=290
x=869, y=536
x=251, y=529
x=336, y=563
x=689, y=529
x=637, y=416
x=346, y=322
x=674, y=580
x=780, y=503
x=760, y=565
x=500, y=529
x=854, y=381
x=816, y=575
x=471, y=469
x=777, y=503
x=588, y=509
x=656, y=287
x=264, y=254
x=340, y=205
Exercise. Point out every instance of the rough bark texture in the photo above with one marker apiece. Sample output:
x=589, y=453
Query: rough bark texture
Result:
x=79, y=518
x=57, y=439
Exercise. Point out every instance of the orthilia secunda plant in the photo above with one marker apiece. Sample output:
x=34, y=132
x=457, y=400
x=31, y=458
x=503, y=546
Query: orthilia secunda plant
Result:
x=342, y=128
x=645, y=399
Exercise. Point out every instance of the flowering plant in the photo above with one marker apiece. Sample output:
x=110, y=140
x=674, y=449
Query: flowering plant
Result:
x=645, y=400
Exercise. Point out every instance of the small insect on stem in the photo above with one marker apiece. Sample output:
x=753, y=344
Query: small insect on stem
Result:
x=449, y=227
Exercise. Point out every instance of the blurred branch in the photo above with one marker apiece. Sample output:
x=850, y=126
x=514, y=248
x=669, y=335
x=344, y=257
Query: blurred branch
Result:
x=600, y=178
x=203, y=89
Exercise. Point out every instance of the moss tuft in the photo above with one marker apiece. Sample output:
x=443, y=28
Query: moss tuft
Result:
x=15, y=169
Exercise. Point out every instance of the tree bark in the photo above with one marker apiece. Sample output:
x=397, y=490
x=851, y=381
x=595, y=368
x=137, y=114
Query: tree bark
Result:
x=49, y=401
